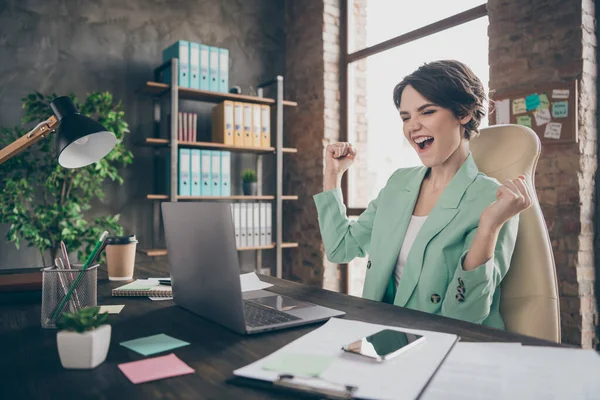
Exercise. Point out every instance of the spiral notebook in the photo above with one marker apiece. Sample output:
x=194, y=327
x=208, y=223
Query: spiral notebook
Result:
x=144, y=287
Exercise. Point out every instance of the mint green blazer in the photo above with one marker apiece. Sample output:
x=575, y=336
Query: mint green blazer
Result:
x=433, y=276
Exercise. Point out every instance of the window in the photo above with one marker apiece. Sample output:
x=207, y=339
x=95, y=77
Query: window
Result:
x=376, y=63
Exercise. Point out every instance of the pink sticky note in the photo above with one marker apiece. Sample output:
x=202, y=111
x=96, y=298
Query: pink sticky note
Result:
x=155, y=368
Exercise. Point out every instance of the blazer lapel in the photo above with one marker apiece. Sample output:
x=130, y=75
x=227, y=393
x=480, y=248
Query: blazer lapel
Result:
x=398, y=212
x=442, y=213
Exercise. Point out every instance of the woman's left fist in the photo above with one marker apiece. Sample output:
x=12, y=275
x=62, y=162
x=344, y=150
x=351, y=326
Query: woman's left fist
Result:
x=512, y=198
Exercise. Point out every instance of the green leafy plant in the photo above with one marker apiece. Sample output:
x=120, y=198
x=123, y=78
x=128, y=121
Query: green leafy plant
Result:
x=45, y=203
x=86, y=319
x=249, y=176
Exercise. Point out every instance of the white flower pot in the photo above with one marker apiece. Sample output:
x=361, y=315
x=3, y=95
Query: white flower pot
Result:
x=83, y=350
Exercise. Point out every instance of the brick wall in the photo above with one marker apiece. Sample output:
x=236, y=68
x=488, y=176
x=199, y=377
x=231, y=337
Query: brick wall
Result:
x=305, y=128
x=530, y=42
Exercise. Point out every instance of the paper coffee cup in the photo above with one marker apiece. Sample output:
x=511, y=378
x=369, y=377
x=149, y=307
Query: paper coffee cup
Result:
x=120, y=257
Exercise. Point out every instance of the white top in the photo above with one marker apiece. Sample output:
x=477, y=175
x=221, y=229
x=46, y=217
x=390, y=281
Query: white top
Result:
x=414, y=226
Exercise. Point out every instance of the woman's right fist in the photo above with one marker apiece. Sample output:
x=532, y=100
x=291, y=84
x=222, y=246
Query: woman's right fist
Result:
x=339, y=157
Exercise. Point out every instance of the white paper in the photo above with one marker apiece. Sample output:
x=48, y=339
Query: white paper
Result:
x=113, y=309
x=251, y=282
x=402, y=377
x=503, y=111
x=553, y=130
x=159, y=298
x=510, y=371
x=560, y=94
x=542, y=116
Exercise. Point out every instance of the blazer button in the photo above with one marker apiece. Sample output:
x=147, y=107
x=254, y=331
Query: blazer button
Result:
x=460, y=297
x=461, y=282
x=369, y=264
x=435, y=298
x=461, y=290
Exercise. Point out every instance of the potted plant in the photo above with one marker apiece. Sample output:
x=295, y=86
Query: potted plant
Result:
x=44, y=203
x=249, y=182
x=83, y=339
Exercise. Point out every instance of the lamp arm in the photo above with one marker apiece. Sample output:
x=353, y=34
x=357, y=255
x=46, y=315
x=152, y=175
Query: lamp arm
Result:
x=40, y=131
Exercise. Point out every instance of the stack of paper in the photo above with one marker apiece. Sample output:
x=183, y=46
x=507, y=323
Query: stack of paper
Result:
x=511, y=371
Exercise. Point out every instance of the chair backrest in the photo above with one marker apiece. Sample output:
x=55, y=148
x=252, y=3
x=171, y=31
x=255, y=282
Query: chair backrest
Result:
x=529, y=301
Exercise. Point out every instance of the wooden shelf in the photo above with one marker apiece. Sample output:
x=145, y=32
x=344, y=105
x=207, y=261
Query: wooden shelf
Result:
x=158, y=142
x=166, y=197
x=163, y=252
x=157, y=89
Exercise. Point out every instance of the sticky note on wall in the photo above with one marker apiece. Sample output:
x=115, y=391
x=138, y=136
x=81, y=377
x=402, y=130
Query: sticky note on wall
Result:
x=560, y=94
x=560, y=109
x=542, y=116
x=532, y=101
x=503, y=111
x=553, y=130
x=518, y=106
x=524, y=120
x=544, y=102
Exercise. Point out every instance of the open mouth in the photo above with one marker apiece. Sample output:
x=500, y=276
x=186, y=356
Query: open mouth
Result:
x=424, y=142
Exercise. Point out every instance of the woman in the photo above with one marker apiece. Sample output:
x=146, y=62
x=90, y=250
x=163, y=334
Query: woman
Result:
x=439, y=237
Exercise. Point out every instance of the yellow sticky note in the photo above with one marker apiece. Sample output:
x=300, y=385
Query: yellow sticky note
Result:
x=518, y=106
x=524, y=120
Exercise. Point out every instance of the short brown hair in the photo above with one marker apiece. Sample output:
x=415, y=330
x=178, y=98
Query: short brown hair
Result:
x=452, y=85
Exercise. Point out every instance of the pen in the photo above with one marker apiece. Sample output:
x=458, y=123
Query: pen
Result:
x=91, y=257
x=65, y=254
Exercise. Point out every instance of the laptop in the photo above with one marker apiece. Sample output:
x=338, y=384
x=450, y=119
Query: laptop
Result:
x=205, y=274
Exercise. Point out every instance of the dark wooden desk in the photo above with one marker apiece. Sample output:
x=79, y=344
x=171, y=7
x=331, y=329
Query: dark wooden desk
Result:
x=31, y=369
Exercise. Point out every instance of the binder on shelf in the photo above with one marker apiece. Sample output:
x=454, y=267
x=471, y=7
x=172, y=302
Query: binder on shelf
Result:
x=205, y=173
x=184, y=172
x=215, y=157
x=185, y=127
x=256, y=224
x=256, y=125
x=238, y=121
x=236, y=223
x=181, y=51
x=194, y=127
x=213, y=62
x=247, y=125
x=194, y=65
x=222, y=123
x=195, y=160
x=180, y=126
x=269, y=223
x=225, y=173
x=263, y=224
x=243, y=225
x=265, y=126
x=223, y=70
x=204, y=67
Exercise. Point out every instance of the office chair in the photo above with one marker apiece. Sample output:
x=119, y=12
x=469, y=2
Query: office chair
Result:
x=529, y=301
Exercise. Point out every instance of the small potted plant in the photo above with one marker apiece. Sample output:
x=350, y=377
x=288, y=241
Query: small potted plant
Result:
x=83, y=339
x=249, y=182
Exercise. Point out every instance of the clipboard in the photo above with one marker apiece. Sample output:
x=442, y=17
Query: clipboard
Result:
x=285, y=383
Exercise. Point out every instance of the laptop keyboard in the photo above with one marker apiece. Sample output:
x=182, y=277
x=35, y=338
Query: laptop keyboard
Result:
x=257, y=315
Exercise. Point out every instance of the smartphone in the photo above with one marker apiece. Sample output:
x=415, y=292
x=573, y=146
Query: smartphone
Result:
x=384, y=345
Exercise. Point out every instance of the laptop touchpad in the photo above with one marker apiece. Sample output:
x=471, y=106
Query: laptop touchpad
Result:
x=281, y=303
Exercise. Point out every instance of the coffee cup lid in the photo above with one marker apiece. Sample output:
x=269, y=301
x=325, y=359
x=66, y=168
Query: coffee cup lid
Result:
x=121, y=239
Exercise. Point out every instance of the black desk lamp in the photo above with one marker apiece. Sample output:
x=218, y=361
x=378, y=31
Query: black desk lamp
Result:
x=81, y=141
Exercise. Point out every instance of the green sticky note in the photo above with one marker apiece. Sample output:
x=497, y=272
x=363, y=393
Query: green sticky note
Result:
x=560, y=109
x=524, y=120
x=544, y=102
x=299, y=364
x=154, y=344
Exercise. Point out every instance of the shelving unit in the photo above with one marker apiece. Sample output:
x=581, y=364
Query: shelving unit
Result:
x=157, y=91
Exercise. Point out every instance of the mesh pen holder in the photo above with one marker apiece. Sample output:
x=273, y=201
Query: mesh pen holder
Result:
x=56, y=284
